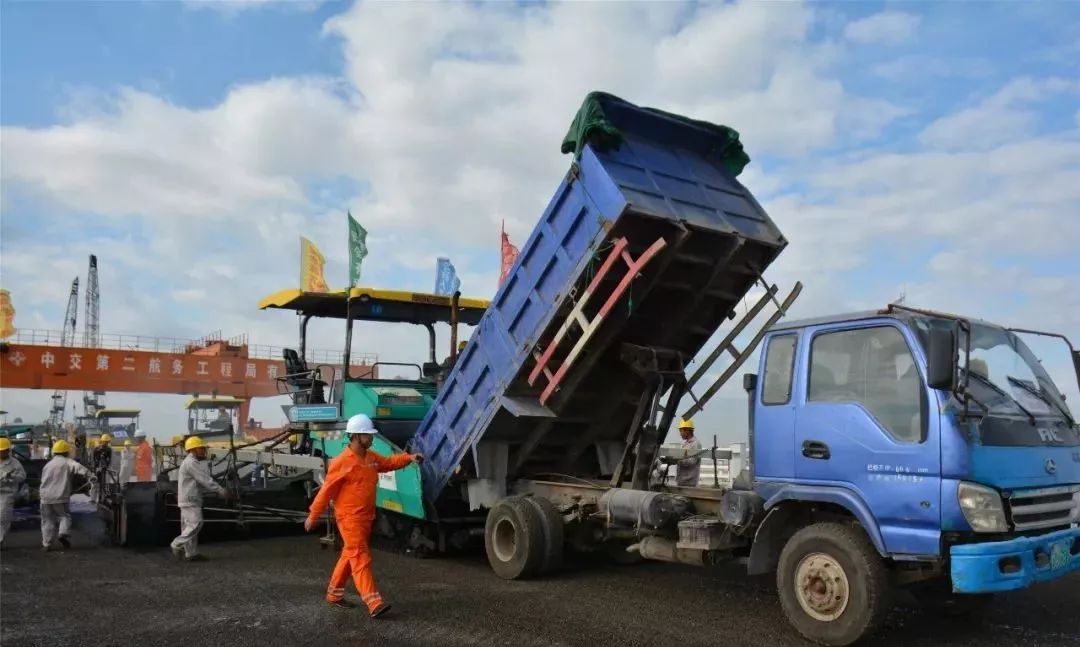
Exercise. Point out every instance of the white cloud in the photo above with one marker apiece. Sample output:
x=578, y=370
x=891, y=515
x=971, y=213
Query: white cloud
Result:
x=885, y=28
x=914, y=67
x=1007, y=115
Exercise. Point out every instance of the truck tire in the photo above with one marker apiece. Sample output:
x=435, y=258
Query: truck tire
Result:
x=833, y=585
x=552, y=525
x=514, y=539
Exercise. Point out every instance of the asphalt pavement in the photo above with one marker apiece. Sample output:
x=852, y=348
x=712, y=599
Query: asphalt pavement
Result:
x=270, y=592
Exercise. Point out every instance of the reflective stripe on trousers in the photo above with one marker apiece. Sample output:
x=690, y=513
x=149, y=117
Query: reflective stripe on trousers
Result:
x=52, y=516
x=355, y=559
x=191, y=521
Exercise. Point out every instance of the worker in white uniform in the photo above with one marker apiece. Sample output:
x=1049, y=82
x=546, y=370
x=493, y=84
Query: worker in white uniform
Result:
x=12, y=477
x=689, y=466
x=193, y=481
x=127, y=463
x=55, y=493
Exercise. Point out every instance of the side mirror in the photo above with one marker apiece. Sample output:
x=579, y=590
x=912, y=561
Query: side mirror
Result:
x=942, y=360
x=749, y=382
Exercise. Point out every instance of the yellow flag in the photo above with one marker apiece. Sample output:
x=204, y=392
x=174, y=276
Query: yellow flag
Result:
x=311, y=267
x=7, y=315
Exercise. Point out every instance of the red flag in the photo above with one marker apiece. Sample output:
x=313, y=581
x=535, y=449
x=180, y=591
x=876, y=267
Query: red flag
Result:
x=509, y=255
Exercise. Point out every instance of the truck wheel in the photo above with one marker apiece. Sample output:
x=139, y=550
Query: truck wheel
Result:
x=514, y=539
x=552, y=526
x=832, y=583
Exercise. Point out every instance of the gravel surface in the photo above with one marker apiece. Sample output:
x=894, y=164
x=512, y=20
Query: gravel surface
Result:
x=270, y=591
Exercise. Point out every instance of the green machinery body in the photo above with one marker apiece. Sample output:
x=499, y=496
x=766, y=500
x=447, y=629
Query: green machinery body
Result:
x=396, y=407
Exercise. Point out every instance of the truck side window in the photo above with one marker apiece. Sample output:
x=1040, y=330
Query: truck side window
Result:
x=779, y=365
x=874, y=367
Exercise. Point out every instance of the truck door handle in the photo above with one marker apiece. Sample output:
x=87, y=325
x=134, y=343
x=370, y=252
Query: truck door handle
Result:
x=815, y=449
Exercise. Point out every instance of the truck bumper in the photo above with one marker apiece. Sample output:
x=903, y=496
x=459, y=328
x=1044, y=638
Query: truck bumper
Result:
x=1014, y=564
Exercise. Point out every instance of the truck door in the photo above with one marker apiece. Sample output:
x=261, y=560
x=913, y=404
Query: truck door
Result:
x=774, y=412
x=864, y=423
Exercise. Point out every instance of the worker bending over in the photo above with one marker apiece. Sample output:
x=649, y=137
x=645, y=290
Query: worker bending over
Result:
x=193, y=481
x=55, y=492
x=12, y=477
x=350, y=484
x=144, y=458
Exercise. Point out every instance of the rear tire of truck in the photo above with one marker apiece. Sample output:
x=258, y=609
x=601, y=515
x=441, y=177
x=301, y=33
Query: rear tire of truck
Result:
x=552, y=526
x=833, y=585
x=514, y=539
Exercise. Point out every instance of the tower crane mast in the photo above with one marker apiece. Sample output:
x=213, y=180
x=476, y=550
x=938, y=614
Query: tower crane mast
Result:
x=67, y=338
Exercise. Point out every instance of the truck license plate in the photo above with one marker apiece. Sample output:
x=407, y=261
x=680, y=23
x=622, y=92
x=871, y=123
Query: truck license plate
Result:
x=1059, y=557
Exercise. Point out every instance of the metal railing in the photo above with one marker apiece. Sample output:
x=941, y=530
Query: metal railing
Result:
x=40, y=337
x=313, y=357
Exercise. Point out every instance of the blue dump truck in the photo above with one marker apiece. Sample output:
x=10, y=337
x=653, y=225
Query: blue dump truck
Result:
x=898, y=448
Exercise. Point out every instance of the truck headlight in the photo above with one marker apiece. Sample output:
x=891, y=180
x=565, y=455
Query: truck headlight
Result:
x=981, y=507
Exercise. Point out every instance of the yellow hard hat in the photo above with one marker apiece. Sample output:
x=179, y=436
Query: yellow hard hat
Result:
x=193, y=443
x=60, y=447
x=686, y=424
x=294, y=438
x=127, y=443
x=5, y=444
x=105, y=439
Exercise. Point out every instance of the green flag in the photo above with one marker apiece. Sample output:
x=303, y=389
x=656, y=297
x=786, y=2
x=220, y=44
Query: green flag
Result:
x=357, y=249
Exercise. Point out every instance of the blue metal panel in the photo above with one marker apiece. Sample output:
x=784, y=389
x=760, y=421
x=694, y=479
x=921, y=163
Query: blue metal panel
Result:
x=774, y=425
x=1008, y=468
x=899, y=480
x=662, y=182
x=839, y=494
x=548, y=265
x=977, y=568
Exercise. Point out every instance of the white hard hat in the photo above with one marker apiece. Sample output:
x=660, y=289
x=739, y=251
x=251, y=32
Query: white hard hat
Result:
x=360, y=424
x=139, y=433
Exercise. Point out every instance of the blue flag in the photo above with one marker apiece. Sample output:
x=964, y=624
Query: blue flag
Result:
x=446, y=279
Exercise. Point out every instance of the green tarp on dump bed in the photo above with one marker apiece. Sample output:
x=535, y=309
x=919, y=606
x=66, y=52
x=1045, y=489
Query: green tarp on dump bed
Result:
x=592, y=125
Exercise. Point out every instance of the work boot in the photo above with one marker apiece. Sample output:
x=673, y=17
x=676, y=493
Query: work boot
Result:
x=46, y=548
x=341, y=604
x=381, y=609
x=65, y=541
x=177, y=553
x=197, y=558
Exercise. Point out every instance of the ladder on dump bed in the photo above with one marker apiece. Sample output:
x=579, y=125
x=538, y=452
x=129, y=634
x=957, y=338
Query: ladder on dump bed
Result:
x=577, y=315
x=727, y=345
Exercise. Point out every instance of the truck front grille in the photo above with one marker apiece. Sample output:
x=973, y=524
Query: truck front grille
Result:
x=1045, y=507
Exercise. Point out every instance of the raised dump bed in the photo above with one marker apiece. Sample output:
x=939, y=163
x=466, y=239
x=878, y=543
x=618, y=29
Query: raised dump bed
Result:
x=649, y=240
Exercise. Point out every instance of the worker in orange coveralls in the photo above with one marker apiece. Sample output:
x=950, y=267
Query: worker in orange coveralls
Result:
x=144, y=457
x=350, y=484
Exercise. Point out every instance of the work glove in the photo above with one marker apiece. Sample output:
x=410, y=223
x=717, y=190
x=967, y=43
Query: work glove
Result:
x=418, y=458
x=309, y=524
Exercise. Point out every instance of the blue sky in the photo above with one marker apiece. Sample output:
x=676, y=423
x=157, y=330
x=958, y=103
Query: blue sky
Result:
x=925, y=148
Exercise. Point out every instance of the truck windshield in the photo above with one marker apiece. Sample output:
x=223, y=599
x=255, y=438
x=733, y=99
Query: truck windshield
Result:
x=1011, y=377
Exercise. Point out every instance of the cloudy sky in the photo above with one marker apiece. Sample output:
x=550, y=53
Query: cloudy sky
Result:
x=929, y=149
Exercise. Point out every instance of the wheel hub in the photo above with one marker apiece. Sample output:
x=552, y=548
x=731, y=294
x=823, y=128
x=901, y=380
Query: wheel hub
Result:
x=821, y=586
x=504, y=540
